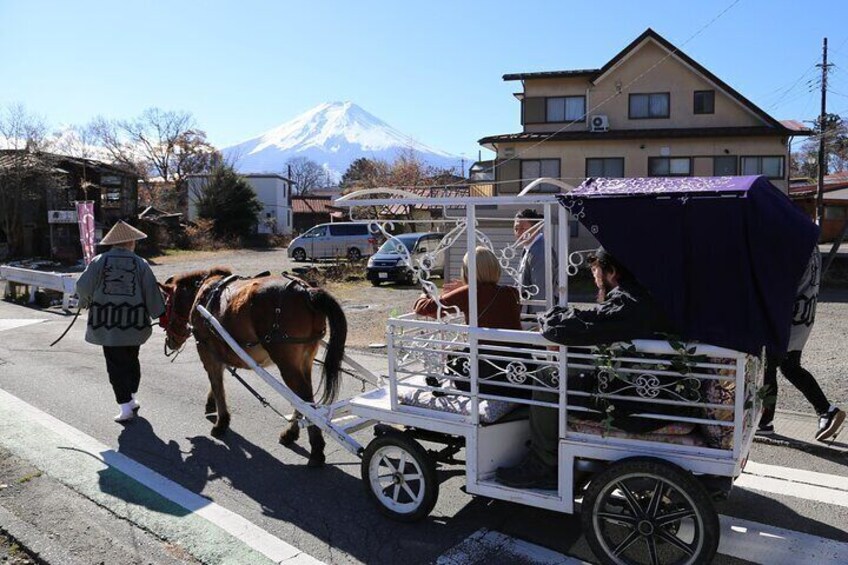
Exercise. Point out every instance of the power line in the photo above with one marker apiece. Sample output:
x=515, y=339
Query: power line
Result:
x=618, y=92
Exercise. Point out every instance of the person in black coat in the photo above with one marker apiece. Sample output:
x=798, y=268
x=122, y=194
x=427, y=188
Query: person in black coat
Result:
x=625, y=312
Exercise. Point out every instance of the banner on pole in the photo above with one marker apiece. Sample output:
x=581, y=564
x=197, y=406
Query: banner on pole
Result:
x=85, y=216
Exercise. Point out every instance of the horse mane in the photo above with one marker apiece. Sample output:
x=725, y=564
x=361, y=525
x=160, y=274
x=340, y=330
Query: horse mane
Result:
x=202, y=273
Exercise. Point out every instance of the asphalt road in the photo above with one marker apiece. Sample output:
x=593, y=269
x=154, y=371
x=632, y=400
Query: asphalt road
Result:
x=322, y=512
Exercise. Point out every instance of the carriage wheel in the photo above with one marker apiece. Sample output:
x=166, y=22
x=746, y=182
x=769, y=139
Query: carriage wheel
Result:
x=400, y=477
x=648, y=511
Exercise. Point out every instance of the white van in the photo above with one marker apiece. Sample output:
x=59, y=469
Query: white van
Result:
x=332, y=241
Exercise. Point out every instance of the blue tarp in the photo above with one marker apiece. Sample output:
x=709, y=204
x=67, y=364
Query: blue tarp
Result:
x=722, y=255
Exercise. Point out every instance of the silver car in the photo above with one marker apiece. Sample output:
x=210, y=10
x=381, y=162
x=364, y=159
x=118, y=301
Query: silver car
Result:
x=333, y=241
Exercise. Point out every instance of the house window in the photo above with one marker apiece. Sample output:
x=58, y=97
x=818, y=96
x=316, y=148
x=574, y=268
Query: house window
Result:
x=533, y=111
x=704, y=102
x=669, y=166
x=558, y=109
x=725, y=166
x=771, y=166
x=649, y=106
x=532, y=169
x=611, y=167
x=834, y=213
x=566, y=109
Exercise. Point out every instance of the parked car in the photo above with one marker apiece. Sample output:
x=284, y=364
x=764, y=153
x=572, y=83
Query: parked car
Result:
x=389, y=264
x=330, y=241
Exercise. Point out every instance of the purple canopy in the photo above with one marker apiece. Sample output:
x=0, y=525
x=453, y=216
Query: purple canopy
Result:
x=722, y=255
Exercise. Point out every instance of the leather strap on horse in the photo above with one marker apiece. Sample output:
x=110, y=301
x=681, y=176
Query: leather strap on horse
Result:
x=258, y=396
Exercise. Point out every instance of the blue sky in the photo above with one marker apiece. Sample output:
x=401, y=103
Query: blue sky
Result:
x=431, y=69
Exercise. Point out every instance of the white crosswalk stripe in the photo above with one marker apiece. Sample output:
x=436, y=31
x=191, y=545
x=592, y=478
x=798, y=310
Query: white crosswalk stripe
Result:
x=10, y=324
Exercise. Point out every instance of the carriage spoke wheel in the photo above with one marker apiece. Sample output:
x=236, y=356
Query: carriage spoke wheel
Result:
x=646, y=511
x=400, y=477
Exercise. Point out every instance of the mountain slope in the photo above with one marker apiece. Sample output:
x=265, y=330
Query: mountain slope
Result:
x=333, y=135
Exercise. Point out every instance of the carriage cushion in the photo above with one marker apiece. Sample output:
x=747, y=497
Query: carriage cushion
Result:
x=678, y=433
x=490, y=410
x=719, y=392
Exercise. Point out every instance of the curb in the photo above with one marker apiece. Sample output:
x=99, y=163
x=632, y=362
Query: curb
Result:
x=38, y=544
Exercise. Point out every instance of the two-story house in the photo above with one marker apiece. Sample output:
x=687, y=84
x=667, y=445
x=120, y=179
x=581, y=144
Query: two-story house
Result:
x=273, y=191
x=650, y=111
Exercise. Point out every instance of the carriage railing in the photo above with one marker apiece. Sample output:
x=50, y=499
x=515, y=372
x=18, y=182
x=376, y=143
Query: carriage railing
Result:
x=419, y=348
x=717, y=388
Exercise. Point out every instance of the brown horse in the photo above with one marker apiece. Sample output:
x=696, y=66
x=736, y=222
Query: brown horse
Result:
x=275, y=319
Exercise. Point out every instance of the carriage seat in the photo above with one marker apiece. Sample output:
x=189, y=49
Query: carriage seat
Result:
x=491, y=411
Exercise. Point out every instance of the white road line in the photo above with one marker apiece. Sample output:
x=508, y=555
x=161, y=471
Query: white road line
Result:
x=760, y=543
x=798, y=483
x=10, y=324
x=797, y=475
x=757, y=543
x=248, y=533
x=483, y=545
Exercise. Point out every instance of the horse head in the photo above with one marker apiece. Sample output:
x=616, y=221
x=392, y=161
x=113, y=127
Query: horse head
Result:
x=180, y=294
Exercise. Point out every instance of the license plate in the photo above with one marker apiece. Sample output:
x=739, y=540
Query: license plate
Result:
x=383, y=275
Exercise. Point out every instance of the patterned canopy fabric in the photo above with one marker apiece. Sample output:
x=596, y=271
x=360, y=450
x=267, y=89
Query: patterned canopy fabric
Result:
x=722, y=255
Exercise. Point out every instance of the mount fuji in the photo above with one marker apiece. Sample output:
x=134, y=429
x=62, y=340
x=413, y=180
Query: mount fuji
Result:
x=333, y=135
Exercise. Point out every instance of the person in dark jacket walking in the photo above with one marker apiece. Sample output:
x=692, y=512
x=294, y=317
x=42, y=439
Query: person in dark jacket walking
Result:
x=804, y=315
x=121, y=293
x=625, y=312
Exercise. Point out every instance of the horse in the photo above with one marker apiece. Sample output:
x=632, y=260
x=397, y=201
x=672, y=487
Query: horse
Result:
x=276, y=319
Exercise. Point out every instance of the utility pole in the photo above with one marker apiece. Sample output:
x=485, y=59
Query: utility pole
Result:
x=822, y=129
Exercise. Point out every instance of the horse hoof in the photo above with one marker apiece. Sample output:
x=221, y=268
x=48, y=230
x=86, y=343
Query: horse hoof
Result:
x=210, y=409
x=287, y=439
x=218, y=432
x=316, y=461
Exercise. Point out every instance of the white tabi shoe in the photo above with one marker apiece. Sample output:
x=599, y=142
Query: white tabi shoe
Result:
x=135, y=404
x=126, y=412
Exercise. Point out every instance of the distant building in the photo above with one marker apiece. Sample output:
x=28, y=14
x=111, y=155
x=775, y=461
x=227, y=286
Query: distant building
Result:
x=53, y=184
x=651, y=110
x=273, y=192
x=835, y=196
x=309, y=211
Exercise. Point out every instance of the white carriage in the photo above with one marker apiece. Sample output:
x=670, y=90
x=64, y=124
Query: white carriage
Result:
x=643, y=497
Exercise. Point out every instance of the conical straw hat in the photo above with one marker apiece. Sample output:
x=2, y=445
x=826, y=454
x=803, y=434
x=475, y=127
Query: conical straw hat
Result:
x=122, y=232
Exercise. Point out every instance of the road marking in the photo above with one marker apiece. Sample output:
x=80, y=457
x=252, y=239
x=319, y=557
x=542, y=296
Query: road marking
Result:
x=10, y=324
x=750, y=541
x=798, y=483
x=484, y=545
x=15, y=415
x=760, y=543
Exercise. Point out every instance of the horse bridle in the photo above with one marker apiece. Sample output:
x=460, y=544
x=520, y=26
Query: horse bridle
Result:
x=177, y=327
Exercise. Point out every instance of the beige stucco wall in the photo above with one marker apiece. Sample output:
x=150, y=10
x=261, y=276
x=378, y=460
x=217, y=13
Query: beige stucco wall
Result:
x=573, y=155
x=649, y=69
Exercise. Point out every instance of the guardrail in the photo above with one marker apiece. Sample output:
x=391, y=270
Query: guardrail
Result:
x=33, y=280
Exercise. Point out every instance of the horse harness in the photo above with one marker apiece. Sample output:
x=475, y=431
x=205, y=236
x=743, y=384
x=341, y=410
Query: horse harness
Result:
x=276, y=335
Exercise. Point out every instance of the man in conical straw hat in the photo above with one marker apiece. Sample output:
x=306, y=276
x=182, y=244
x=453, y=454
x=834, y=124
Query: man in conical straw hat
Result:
x=121, y=293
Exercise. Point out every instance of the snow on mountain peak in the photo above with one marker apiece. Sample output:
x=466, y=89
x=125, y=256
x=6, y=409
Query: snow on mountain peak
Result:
x=332, y=134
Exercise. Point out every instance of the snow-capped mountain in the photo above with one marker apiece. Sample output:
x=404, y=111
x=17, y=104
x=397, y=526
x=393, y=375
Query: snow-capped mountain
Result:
x=333, y=135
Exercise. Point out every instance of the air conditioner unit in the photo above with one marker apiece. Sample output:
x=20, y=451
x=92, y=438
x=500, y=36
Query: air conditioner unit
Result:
x=599, y=122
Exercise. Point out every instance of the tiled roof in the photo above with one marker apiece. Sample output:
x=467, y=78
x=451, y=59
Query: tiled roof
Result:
x=306, y=205
x=655, y=133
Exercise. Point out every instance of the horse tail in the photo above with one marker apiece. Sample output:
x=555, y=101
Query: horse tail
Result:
x=323, y=302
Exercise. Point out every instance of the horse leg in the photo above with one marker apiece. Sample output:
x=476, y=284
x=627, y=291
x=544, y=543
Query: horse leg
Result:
x=215, y=371
x=290, y=434
x=210, y=403
x=300, y=382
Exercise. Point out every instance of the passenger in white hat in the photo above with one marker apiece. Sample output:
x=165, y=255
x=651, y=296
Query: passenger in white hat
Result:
x=121, y=293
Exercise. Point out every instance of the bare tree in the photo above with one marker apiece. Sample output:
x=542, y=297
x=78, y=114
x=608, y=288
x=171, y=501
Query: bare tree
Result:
x=306, y=174
x=162, y=143
x=24, y=175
